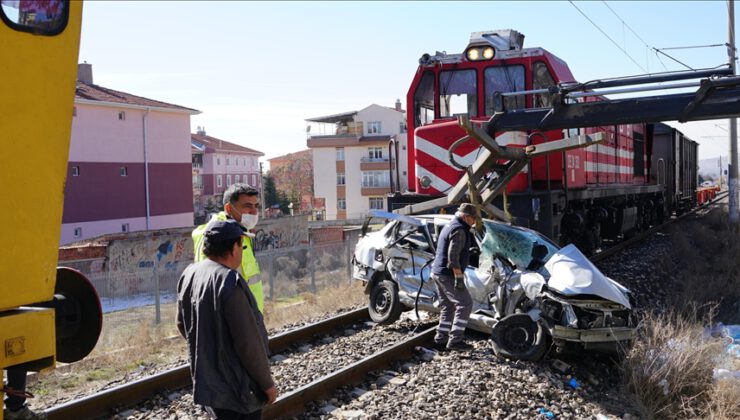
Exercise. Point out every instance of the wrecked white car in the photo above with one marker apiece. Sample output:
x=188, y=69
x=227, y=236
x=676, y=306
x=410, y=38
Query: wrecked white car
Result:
x=527, y=292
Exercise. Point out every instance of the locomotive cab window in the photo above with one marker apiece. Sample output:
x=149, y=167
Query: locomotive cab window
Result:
x=541, y=79
x=458, y=93
x=424, y=100
x=504, y=79
x=48, y=17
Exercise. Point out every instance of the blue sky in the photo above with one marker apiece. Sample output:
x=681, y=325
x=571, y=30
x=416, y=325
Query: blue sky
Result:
x=257, y=70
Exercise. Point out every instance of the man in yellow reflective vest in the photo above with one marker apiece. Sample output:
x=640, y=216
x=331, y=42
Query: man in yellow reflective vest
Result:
x=241, y=204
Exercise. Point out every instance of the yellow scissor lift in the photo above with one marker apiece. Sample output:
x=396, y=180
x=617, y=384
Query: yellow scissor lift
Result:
x=46, y=314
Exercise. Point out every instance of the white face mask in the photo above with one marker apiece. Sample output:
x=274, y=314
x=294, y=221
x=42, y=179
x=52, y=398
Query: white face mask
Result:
x=249, y=221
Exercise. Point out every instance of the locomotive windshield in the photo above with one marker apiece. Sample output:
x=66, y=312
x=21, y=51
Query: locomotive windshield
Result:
x=504, y=79
x=458, y=93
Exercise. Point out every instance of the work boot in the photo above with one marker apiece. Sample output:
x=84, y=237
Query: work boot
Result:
x=24, y=413
x=439, y=346
x=459, y=346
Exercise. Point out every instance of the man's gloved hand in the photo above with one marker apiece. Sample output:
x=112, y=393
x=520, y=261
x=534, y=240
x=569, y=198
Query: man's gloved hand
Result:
x=459, y=282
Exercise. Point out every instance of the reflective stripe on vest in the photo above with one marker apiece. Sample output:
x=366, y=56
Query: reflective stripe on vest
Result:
x=249, y=268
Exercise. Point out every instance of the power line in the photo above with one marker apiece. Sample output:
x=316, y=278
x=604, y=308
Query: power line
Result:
x=693, y=46
x=608, y=37
x=638, y=36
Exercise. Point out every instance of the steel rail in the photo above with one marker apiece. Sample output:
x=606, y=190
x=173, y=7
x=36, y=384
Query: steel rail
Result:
x=294, y=402
x=104, y=402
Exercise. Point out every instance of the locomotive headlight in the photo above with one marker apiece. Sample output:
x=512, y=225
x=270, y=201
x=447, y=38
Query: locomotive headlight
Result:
x=488, y=53
x=480, y=53
x=473, y=54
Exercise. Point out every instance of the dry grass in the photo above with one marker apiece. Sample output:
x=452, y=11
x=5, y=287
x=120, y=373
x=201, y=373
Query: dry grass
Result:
x=705, y=258
x=669, y=368
x=307, y=306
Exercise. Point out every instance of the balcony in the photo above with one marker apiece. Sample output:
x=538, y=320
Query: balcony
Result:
x=376, y=188
x=375, y=164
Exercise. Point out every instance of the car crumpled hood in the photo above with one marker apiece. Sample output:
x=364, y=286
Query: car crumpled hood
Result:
x=571, y=273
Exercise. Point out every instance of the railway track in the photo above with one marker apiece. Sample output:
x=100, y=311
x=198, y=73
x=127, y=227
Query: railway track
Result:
x=293, y=402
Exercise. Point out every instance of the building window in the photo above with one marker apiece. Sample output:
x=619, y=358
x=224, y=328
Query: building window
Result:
x=227, y=162
x=75, y=171
x=219, y=181
x=124, y=227
x=402, y=127
x=124, y=171
x=376, y=203
x=373, y=127
x=122, y=116
x=341, y=204
x=375, y=179
x=340, y=178
x=78, y=232
x=254, y=180
x=375, y=153
x=228, y=180
x=340, y=153
x=236, y=178
x=218, y=160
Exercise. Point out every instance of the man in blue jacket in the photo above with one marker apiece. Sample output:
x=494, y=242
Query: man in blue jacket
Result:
x=453, y=256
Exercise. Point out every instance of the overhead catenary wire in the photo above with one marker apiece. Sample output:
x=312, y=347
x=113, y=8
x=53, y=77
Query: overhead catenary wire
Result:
x=648, y=46
x=608, y=37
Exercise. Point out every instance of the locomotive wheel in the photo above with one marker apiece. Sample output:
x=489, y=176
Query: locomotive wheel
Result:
x=383, y=303
x=518, y=337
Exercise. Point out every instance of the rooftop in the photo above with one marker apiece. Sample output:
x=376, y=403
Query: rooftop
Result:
x=221, y=145
x=94, y=92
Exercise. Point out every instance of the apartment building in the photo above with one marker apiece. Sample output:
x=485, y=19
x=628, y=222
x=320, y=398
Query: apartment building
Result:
x=129, y=163
x=216, y=164
x=354, y=159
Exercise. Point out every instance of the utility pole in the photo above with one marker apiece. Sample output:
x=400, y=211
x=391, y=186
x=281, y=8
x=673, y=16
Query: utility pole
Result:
x=262, y=193
x=733, y=173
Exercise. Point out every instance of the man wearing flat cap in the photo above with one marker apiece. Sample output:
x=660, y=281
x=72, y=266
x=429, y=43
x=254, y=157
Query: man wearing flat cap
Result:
x=453, y=256
x=226, y=335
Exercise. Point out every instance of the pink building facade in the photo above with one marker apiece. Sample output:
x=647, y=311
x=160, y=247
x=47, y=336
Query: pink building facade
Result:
x=217, y=164
x=129, y=164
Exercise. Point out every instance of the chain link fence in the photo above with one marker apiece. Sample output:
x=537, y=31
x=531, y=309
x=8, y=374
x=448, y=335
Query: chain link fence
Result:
x=285, y=273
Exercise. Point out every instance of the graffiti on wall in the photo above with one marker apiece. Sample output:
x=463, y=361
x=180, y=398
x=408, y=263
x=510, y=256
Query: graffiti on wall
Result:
x=284, y=232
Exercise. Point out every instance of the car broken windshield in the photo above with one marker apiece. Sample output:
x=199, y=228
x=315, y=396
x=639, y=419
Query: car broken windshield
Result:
x=513, y=243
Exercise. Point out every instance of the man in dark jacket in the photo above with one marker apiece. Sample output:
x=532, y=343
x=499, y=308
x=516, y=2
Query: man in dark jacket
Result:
x=453, y=256
x=226, y=335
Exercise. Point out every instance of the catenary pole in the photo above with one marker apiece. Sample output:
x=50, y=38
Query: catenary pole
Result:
x=733, y=175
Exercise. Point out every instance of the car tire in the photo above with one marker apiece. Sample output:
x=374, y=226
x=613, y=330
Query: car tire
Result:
x=383, y=303
x=518, y=337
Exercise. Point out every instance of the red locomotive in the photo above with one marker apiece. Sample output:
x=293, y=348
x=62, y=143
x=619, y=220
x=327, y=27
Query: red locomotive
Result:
x=637, y=177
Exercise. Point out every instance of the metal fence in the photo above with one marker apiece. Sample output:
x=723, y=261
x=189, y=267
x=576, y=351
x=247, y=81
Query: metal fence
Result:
x=285, y=273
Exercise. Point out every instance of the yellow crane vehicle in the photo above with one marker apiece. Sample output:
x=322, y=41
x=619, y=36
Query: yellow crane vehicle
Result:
x=47, y=314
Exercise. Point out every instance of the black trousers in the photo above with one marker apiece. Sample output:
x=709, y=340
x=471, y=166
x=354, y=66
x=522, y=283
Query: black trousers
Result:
x=220, y=414
x=16, y=379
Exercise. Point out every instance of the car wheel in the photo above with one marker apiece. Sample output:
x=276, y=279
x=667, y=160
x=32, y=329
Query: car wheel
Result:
x=518, y=337
x=383, y=304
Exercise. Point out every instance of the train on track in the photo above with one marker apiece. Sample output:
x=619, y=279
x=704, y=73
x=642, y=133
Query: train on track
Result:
x=637, y=177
